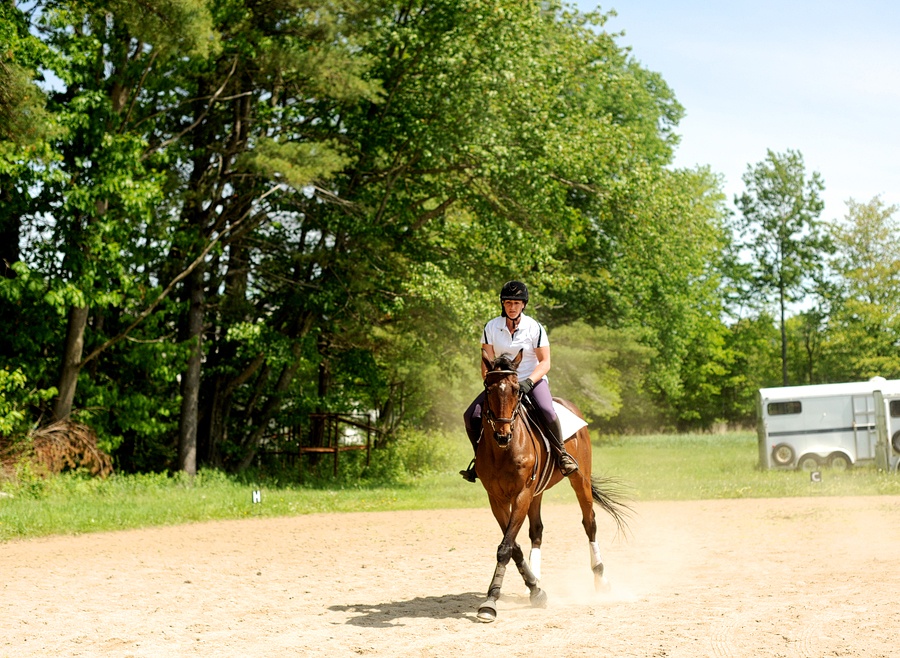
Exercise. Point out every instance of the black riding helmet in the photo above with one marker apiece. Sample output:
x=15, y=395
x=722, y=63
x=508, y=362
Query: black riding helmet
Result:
x=514, y=290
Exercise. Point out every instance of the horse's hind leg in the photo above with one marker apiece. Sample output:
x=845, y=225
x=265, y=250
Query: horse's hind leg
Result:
x=589, y=520
x=601, y=584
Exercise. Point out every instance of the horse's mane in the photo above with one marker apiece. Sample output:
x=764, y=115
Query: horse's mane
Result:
x=503, y=362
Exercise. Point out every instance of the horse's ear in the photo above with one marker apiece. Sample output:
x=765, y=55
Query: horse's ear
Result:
x=518, y=359
x=485, y=359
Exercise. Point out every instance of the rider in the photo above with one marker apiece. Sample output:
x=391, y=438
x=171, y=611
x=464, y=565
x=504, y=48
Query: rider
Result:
x=507, y=334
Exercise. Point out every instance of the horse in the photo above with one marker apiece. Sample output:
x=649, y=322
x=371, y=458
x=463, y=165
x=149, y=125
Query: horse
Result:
x=516, y=467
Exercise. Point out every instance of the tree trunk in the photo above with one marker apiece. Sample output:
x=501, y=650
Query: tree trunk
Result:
x=784, y=364
x=317, y=435
x=190, y=378
x=71, y=363
x=220, y=408
x=272, y=405
x=217, y=411
x=10, y=226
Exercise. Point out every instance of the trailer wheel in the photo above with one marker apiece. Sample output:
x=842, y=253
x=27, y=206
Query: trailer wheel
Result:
x=895, y=441
x=808, y=463
x=783, y=454
x=838, y=461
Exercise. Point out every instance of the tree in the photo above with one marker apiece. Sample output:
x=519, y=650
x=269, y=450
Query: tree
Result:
x=862, y=338
x=262, y=208
x=806, y=338
x=779, y=230
x=105, y=183
x=25, y=125
x=91, y=206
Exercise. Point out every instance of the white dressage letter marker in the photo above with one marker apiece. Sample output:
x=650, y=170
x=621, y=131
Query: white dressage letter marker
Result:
x=257, y=496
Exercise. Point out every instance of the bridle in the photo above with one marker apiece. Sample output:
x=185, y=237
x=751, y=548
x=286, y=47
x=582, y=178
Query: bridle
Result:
x=501, y=439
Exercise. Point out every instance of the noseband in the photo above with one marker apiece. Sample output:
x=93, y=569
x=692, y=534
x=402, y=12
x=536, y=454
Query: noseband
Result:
x=501, y=439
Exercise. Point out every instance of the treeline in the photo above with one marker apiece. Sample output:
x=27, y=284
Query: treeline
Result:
x=220, y=216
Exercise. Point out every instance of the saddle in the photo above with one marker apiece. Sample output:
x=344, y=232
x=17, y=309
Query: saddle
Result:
x=535, y=421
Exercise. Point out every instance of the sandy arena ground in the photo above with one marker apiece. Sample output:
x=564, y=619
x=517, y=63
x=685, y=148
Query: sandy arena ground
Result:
x=741, y=578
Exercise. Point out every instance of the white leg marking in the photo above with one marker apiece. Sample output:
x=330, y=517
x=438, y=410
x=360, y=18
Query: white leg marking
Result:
x=595, y=554
x=535, y=562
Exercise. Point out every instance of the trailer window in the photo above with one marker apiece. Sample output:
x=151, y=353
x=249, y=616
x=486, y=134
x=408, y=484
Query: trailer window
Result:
x=782, y=408
x=895, y=408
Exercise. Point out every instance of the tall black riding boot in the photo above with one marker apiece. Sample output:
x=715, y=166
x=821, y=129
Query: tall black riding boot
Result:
x=567, y=463
x=474, y=436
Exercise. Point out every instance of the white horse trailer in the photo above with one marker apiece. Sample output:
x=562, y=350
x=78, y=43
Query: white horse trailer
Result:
x=838, y=425
x=887, y=449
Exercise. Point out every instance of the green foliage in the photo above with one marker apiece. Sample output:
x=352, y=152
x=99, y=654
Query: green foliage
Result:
x=424, y=453
x=297, y=165
x=779, y=227
x=779, y=224
x=11, y=417
x=24, y=121
x=15, y=398
x=174, y=27
x=293, y=206
x=861, y=336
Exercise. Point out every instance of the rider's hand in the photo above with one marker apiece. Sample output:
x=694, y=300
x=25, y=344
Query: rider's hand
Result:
x=525, y=386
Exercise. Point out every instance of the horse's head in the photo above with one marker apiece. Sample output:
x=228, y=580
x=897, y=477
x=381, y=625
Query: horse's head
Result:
x=501, y=401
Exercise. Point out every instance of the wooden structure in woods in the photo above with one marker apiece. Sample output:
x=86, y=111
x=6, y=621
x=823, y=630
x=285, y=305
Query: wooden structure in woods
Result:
x=331, y=435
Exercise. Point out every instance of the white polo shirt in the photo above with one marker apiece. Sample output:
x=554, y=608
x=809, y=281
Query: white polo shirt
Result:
x=527, y=336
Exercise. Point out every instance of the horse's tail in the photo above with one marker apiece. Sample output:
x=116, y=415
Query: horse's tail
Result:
x=611, y=494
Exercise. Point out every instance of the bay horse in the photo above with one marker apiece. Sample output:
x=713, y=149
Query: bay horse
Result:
x=516, y=467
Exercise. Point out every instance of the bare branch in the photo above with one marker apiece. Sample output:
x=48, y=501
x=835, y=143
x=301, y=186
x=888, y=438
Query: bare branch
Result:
x=431, y=214
x=212, y=101
x=134, y=94
x=578, y=186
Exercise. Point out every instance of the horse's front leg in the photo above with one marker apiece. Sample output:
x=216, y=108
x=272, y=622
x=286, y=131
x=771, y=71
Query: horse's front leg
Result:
x=537, y=596
x=511, y=518
x=536, y=534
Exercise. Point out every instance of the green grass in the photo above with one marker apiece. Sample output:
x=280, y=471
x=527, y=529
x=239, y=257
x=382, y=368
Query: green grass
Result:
x=418, y=474
x=77, y=505
x=703, y=466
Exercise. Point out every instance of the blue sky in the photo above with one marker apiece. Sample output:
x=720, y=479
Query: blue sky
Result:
x=820, y=78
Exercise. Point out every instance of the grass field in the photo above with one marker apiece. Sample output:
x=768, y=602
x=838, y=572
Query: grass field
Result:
x=660, y=467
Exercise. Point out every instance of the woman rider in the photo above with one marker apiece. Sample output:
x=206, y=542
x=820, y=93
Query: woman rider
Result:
x=507, y=334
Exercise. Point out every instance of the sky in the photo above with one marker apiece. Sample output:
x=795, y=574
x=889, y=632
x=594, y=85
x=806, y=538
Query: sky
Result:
x=819, y=78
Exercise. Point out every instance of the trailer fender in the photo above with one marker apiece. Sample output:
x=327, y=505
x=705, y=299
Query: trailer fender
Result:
x=839, y=461
x=808, y=462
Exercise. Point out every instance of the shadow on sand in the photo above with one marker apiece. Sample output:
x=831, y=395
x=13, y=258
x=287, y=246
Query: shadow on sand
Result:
x=391, y=613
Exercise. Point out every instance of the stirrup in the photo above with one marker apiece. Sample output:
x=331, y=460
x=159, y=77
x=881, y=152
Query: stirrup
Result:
x=567, y=464
x=469, y=474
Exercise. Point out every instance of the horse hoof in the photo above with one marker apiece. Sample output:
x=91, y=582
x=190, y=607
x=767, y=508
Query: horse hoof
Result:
x=539, y=599
x=601, y=585
x=487, y=612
